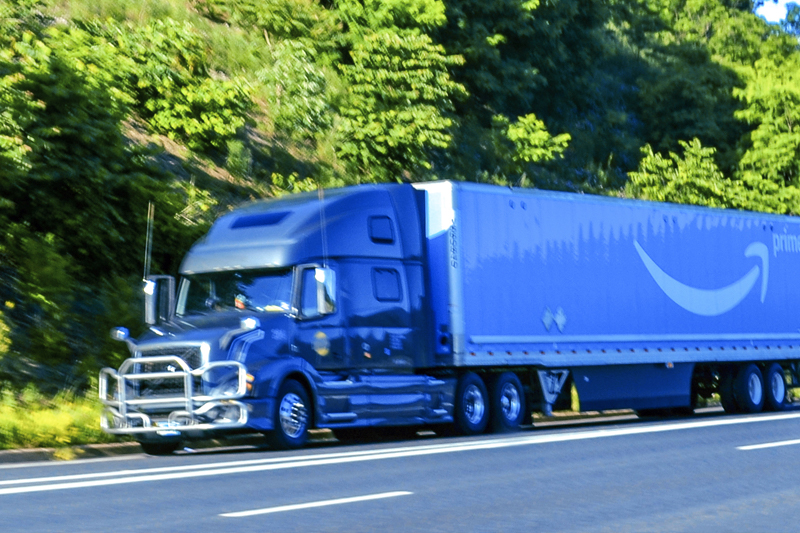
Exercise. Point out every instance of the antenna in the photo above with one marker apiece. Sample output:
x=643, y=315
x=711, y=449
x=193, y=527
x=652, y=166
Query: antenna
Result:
x=148, y=242
x=322, y=226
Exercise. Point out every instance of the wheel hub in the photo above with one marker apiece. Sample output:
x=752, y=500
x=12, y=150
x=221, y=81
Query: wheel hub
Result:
x=473, y=404
x=754, y=388
x=293, y=415
x=778, y=386
x=510, y=402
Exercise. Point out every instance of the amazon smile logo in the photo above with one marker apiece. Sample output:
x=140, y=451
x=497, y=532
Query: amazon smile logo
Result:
x=711, y=302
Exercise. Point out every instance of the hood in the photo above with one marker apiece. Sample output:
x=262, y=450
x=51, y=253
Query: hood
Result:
x=222, y=333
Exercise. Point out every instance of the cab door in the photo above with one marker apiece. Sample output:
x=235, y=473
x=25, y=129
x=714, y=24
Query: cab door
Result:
x=320, y=334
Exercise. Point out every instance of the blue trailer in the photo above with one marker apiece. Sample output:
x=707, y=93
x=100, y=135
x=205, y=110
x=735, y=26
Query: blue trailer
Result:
x=458, y=305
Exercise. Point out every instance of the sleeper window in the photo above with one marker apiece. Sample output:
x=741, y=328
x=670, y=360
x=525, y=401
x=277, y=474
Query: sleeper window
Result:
x=386, y=284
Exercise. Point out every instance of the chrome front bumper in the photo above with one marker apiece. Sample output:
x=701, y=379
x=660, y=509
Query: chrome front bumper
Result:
x=127, y=412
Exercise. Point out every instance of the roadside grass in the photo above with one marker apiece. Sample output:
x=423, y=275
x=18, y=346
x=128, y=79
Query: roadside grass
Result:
x=29, y=419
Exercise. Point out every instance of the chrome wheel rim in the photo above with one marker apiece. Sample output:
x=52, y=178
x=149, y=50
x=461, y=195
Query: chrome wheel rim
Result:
x=754, y=388
x=509, y=401
x=778, y=387
x=474, y=406
x=293, y=415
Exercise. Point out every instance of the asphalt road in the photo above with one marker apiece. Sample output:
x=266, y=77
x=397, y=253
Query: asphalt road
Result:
x=703, y=473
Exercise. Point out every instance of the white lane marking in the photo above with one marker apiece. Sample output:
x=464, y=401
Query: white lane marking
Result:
x=226, y=464
x=219, y=469
x=768, y=445
x=311, y=505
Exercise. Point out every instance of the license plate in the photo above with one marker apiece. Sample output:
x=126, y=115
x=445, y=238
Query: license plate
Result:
x=166, y=432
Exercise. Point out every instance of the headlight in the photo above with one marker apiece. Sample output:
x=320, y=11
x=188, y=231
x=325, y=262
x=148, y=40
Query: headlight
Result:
x=229, y=388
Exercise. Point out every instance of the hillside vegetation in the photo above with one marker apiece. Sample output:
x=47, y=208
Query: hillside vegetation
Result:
x=198, y=105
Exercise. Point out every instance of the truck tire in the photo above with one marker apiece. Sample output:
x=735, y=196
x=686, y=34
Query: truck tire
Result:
x=507, y=403
x=159, y=448
x=774, y=388
x=726, y=396
x=472, y=405
x=292, y=415
x=748, y=389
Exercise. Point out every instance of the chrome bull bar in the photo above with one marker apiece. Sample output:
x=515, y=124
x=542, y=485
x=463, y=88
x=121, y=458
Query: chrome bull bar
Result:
x=176, y=412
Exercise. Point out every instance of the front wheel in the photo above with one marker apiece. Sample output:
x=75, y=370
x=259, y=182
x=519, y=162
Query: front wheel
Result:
x=472, y=405
x=292, y=415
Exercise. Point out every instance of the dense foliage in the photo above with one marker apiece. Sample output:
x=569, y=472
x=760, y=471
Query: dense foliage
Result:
x=194, y=106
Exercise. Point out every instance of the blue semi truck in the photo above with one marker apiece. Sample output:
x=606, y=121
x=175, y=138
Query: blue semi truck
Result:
x=460, y=306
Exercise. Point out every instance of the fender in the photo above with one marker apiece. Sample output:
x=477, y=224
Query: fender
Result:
x=270, y=376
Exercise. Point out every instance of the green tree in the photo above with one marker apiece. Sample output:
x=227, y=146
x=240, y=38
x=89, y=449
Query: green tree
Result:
x=366, y=16
x=553, y=59
x=297, y=91
x=694, y=178
x=400, y=93
x=772, y=107
x=522, y=146
x=74, y=192
x=168, y=75
x=304, y=21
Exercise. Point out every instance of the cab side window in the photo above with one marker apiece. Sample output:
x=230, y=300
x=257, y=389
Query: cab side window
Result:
x=386, y=285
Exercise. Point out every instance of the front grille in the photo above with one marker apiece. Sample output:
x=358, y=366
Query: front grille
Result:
x=190, y=354
x=166, y=387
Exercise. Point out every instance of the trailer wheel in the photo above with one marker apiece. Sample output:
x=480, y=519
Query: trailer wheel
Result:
x=748, y=388
x=775, y=388
x=159, y=447
x=726, y=396
x=471, y=406
x=291, y=416
x=507, y=403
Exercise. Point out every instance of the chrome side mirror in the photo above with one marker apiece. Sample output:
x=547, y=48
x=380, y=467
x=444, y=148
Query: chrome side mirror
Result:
x=159, y=299
x=326, y=290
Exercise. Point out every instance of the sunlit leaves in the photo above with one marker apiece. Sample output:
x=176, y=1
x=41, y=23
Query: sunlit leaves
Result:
x=691, y=178
x=400, y=94
x=297, y=91
x=694, y=178
x=305, y=21
x=374, y=15
x=168, y=74
x=772, y=98
x=533, y=143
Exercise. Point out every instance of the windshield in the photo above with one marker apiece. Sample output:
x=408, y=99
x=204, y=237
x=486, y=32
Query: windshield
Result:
x=254, y=290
